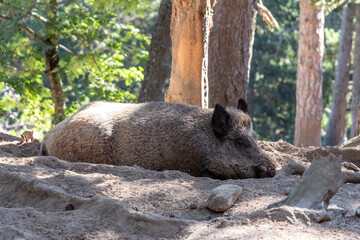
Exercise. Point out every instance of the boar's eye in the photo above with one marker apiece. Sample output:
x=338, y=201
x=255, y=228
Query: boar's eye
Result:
x=242, y=142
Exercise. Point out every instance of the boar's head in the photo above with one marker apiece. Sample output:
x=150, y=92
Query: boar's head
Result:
x=238, y=154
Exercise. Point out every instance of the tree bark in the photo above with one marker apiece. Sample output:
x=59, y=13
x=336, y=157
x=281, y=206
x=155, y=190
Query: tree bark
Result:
x=190, y=24
x=231, y=42
x=309, y=76
x=336, y=125
x=357, y=130
x=52, y=66
x=157, y=69
x=356, y=76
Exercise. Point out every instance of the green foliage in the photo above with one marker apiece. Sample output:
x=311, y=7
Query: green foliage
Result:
x=273, y=74
x=101, y=58
x=27, y=108
x=138, y=6
x=329, y=5
x=272, y=86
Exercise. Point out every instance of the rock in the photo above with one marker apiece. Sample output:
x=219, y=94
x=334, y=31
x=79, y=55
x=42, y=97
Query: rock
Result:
x=294, y=215
x=193, y=206
x=288, y=191
x=357, y=212
x=337, y=211
x=223, y=197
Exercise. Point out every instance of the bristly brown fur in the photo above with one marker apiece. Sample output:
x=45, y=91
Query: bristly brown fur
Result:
x=160, y=136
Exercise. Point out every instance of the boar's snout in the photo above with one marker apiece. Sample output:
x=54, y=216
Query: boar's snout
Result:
x=266, y=167
x=263, y=171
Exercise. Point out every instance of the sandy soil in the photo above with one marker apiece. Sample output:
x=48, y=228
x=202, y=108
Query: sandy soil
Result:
x=47, y=198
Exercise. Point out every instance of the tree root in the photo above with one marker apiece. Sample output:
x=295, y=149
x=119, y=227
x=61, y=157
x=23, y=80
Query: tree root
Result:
x=353, y=142
x=349, y=154
x=319, y=183
x=351, y=166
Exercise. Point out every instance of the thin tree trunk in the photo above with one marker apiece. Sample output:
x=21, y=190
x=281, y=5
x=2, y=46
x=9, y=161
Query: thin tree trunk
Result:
x=52, y=67
x=190, y=24
x=231, y=42
x=336, y=126
x=356, y=76
x=357, y=130
x=309, y=76
x=157, y=68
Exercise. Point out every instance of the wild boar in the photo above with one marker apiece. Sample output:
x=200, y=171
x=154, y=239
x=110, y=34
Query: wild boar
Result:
x=217, y=143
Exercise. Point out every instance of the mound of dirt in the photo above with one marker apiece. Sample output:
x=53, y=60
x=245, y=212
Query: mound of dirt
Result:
x=47, y=198
x=11, y=146
x=285, y=152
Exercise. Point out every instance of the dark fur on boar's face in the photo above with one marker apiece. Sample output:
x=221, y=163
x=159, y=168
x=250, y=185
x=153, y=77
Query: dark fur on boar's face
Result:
x=217, y=143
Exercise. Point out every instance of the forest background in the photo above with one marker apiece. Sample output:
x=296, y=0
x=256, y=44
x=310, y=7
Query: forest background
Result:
x=103, y=53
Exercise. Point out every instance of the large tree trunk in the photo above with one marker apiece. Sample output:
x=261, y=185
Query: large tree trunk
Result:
x=356, y=76
x=336, y=126
x=157, y=68
x=190, y=24
x=231, y=42
x=52, y=67
x=309, y=76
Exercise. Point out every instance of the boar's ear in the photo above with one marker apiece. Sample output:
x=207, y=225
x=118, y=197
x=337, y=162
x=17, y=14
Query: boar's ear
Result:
x=220, y=121
x=242, y=105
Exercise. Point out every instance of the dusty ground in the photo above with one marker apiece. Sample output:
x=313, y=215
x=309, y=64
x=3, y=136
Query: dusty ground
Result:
x=46, y=198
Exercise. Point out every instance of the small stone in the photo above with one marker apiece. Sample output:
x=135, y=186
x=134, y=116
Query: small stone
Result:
x=288, y=191
x=193, y=206
x=246, y=222
x=357, y=212
x=223, y=197
x=222, y=224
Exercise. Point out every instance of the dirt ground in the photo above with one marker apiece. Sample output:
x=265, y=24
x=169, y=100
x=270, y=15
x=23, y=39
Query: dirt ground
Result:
x=47, y=198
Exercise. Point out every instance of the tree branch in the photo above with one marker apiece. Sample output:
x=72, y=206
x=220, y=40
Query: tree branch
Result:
x=29, y=13
x=351, y=166
x=5, y=18
x=15, y=69
x=353, y=142
x=66, y=49
x=32, y=34
x=37, y=16
x=351, y=177
x=318, y=184
x=26, y=30
x=348, y=177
